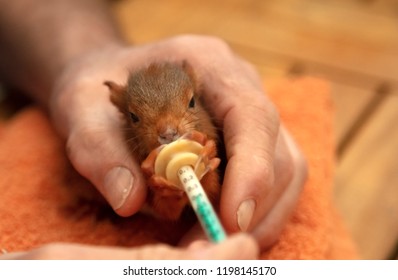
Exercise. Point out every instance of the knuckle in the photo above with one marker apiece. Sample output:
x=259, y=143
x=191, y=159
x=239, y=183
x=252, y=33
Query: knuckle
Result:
x=72, y=148
x=212, y=43
x=79, y=144
x=272, y=112
x=216, y=43
x=265, y=177
x=258, y=103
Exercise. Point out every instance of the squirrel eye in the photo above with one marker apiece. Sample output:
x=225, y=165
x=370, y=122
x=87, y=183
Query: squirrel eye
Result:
x=134, y=117
x=192, y=103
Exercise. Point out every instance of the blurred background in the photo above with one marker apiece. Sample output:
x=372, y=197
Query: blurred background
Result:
x=353, y=44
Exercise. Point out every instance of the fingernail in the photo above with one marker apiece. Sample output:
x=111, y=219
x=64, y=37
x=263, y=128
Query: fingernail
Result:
x=245, y=213
x=118, y=184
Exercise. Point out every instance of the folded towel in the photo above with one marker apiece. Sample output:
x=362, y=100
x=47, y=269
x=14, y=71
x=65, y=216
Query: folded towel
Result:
x=43, y=199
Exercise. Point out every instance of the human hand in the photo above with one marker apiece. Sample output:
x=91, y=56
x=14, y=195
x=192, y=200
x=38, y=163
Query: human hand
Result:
x=239, y=246
x=265, y=171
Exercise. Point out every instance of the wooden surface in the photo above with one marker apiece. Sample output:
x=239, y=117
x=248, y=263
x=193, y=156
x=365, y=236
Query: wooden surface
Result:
x=351, y=43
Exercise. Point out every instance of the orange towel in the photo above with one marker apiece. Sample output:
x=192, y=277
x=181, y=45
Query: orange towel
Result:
x=42, y=198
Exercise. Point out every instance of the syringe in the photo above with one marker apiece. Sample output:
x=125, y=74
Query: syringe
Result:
x=201, y=204
x=175, y=162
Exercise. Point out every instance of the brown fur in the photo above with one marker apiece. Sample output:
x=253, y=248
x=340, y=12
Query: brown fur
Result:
x=159, y=96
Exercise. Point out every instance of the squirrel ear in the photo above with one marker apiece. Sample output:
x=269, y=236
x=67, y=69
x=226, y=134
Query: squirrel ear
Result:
x=117, y=93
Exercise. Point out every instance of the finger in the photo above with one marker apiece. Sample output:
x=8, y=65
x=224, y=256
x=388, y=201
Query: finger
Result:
x=96, y=145
x=237, y=247
x=283, y=174
x=269, y=229
x=250, y=124
x=250, y=127
x=100, y=155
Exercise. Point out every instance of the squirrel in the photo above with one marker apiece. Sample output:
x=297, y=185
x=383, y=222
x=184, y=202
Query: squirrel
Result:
x=160, y=104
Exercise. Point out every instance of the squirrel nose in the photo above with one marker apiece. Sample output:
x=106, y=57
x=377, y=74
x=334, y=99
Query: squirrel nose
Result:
x=168, y=135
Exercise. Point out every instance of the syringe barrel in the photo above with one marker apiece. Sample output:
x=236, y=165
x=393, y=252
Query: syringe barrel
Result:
x=201, y=204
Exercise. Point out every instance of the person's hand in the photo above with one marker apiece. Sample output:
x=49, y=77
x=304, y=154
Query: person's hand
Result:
x=265, y=170
x=239, y=246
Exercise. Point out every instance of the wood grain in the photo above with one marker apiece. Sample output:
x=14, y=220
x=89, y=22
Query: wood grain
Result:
x=367, y=180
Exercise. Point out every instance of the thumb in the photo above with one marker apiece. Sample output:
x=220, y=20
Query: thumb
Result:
x=95, y=142
x=101, y=155
x=236, y=247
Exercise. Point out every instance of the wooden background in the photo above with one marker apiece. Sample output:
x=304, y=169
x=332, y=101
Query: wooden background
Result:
x=351, y=43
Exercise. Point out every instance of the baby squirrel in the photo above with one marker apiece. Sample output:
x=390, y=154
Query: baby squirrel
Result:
x=160, y=104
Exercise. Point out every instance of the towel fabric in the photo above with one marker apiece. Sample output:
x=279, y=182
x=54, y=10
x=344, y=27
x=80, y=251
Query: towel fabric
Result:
x=43, y=199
